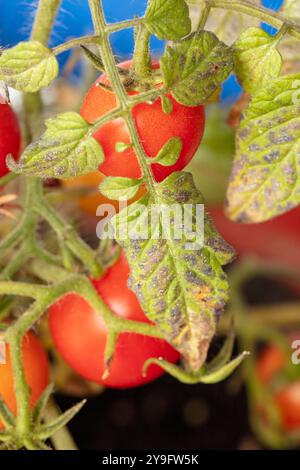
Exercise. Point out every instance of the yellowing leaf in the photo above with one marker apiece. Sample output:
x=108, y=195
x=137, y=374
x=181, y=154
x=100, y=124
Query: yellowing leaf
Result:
x=257, y=60
x=265, y=176
x=64, y=151
x=28, y=67
x=168, y=19
x=194, y=68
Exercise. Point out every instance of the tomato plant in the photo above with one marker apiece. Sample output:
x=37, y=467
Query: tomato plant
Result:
x=154, y=126
x=36, y=368
x=10, y=138
x=80, y=334
x=140, y=125
x=271, y=363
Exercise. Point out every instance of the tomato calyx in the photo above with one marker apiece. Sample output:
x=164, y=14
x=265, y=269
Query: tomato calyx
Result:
x=130, y=80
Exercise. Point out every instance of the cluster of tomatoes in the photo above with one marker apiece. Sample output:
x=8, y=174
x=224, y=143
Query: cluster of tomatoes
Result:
x=78, y=331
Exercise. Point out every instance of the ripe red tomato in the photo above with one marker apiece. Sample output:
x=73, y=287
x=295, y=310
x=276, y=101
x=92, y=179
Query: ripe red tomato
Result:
x=10, y=138
x=277, y=240
x=270, y=363
x=80, y=334
x=155, y=128
x=36, y=371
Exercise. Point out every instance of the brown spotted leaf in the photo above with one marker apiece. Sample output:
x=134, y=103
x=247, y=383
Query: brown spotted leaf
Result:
x=265, y=176
x=177, y=276
x=64, y=151
x=28, y=67
x=194, y=68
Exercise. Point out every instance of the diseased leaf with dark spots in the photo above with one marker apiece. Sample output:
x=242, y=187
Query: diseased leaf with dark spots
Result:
x=29, y=66
x=194, y=68
x=180, y=283
x=64, y=151
x=265, y=176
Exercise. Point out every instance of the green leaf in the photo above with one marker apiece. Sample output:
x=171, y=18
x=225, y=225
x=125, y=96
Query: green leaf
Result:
x=169, y=154
x=265, y=176
x=41, y=404
x=119, y=188
x=225, y=371
x=166, y=104
x=48, y=430
x=120, y=147
x=194, y=68
x=28, y=67
x=179, y=281
x=200, y=376
x=95, y=60
x=5, y=414
x=257, y=60
x=64, y=151
x=168, y=19
x=225, y=353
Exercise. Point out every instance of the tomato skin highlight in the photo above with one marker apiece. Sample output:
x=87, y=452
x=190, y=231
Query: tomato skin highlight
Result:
x=155, y=128
x=36, y=368
x=272, y=362
x=80, y=334
x=10, y=137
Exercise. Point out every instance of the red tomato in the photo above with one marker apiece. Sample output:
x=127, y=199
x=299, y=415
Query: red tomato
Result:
x=10, y=138
x=80, y=334
x=270, y=363
x=288, y=400
x=36, y=371
x=277, y=240
x=155, y=128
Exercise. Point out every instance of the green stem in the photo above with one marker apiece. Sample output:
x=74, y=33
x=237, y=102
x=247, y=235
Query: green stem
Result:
x=81, y=41
x=204, y=16
x=122, y=98
x=142, y=56
x=19, y=259
x=111, y=28
x=21, y=289
x=21, y=388
x=68, y=234
x=11, y=239
x=41, y=30
x=4, y=180
x=62, y=439
x=256, y=11
x=44, y=18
